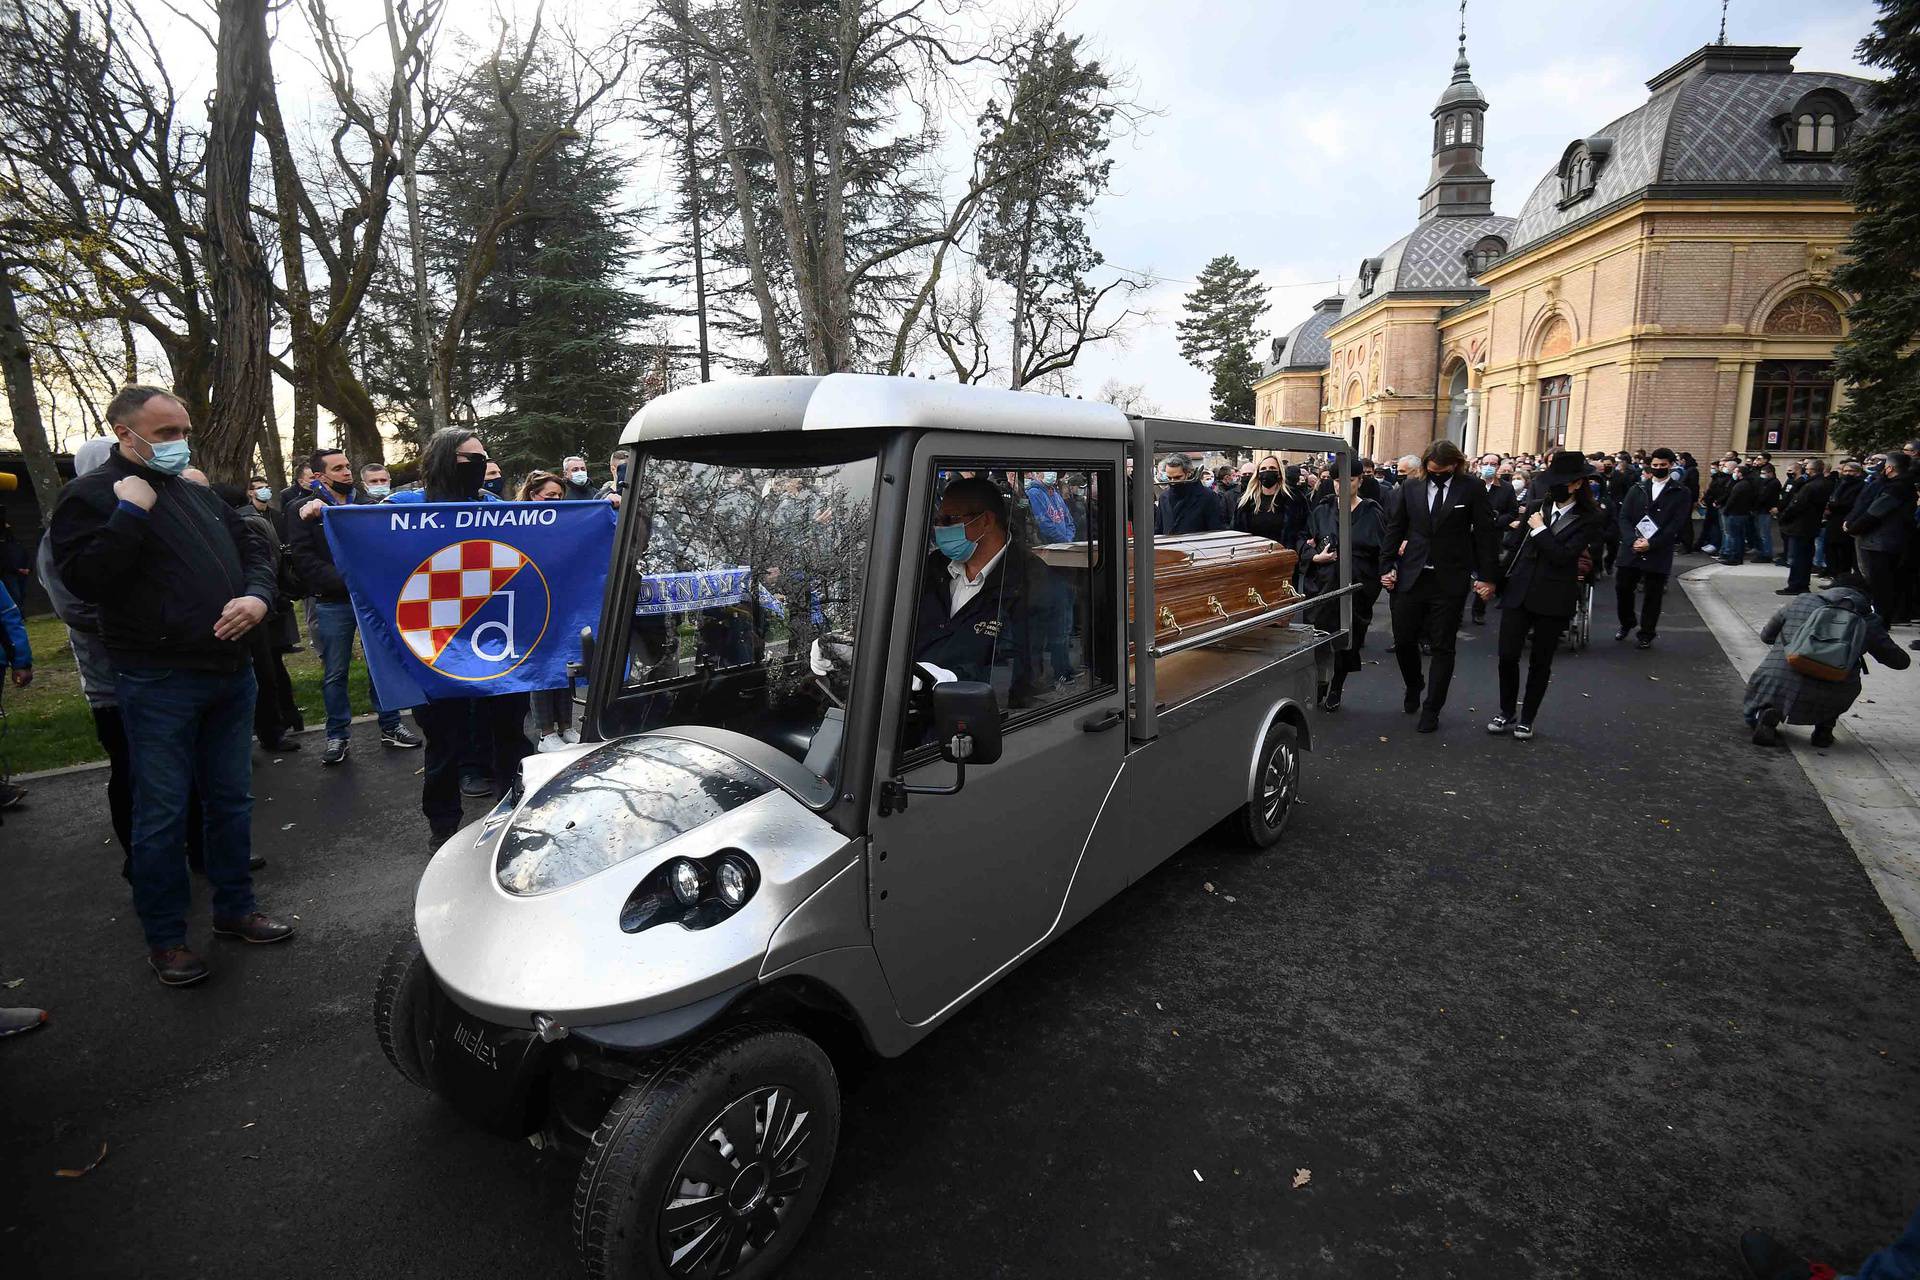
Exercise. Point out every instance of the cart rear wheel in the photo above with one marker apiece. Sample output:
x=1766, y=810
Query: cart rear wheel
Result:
x=713, y=1162
x=399, y=1008
x=1276, y=787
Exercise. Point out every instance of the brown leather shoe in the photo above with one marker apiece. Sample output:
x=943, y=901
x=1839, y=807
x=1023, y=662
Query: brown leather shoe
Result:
x=176, y=966
x=257, y=927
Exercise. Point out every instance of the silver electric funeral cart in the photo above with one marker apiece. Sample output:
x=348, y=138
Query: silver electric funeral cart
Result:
x=790, y=835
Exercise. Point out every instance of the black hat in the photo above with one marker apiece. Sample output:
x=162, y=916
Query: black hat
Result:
x=1568, y=467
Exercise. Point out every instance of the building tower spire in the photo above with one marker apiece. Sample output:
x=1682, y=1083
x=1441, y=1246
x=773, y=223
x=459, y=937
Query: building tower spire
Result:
x=1458, y=185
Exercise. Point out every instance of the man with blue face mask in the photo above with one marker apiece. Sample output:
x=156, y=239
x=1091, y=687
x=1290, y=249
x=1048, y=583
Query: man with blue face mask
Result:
x=179, y=579
x=973, y=619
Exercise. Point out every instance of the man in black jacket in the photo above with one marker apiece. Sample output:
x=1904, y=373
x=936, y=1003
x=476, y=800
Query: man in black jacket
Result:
x=180, y=578
x=1187, y=506
x=1440, y=538
x=1852, y=478
x=1800, y=518
x=334, y=623
x=1647, y=558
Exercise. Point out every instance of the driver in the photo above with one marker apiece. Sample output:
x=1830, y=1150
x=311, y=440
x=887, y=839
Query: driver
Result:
x=975, y=590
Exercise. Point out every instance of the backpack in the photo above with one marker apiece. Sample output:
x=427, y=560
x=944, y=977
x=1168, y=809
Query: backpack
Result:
x=1827, y=645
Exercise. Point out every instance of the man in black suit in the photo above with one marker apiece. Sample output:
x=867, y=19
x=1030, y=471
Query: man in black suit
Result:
x=1440, y=538
x=1648, y=558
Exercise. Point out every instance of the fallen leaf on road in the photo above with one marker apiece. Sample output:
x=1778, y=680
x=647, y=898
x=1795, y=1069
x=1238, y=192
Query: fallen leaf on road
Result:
x=1197, y=1177
x=90, y=1166
x=1301, y=1177
x=14, y=982
x=1229, y=897
x=249, y=1124
x=1208, y=886
x=287, y=827
x=1383, y=737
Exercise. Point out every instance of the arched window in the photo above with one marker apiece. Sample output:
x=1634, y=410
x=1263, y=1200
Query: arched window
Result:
x=1447, y=136
x=1580, y=167
x=1466, y=127
x=1483, y=254
x=1817, y=126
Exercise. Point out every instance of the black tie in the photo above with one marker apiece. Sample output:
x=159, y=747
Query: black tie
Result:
x=1439, y=494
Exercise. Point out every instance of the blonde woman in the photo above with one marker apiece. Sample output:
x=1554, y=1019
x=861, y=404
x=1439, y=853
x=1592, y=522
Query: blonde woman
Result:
x=1271, y=507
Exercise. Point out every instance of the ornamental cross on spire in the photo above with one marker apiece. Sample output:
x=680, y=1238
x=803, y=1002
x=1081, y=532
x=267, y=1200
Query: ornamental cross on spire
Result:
x=1463, y=27
x=1723, y=19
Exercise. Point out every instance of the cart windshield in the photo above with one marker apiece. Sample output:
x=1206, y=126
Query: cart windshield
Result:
x=749, y=565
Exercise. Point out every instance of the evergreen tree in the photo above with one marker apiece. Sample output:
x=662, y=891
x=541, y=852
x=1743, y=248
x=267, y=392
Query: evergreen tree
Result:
x=1217, y=333
x=551, y=365
x=1227, y=301
x=1882, y=270
x=1233, y=373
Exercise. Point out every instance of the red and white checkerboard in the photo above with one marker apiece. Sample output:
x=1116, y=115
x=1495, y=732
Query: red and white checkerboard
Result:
x=447, y=589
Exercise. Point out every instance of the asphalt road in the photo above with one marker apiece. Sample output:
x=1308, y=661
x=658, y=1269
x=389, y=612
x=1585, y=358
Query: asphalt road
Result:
x=1581, y=1007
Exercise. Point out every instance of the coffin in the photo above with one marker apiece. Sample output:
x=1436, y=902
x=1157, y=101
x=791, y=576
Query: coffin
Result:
x=1201, y=581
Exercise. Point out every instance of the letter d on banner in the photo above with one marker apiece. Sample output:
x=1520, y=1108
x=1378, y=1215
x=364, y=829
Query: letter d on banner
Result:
x=505, y=649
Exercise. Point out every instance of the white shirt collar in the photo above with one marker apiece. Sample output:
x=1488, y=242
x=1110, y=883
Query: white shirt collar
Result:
x=962, y=588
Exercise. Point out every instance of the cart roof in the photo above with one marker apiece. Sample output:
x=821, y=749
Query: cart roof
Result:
x=851, y=401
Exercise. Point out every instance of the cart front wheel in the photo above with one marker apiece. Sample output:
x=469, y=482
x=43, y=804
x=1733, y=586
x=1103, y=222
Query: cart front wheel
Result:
x=713, y=1162
x=1276, y=786
x=399, y=1008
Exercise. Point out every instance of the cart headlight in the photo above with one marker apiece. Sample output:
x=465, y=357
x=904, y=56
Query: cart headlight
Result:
x=693, y=893
x=733, y=882
x=686, y=881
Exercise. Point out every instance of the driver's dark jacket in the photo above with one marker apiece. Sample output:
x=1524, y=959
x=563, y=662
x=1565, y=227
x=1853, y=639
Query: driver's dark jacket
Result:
x=991, y=630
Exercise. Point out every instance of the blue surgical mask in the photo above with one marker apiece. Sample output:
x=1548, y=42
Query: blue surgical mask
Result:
x=170, y=457
x=379, y=490
x=1487, y=473
x=954, y=543
x=264, y=495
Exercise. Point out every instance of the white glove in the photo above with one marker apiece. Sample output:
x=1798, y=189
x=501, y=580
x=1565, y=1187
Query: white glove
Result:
x=940, y=675
x=828, y=652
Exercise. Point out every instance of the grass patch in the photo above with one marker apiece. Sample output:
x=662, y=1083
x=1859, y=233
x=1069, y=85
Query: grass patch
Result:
x=47, y=725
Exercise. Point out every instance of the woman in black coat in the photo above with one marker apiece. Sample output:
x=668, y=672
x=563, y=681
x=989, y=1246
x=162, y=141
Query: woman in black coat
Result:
x=1542, y=587
x=1320, y=561
x=1271, y=506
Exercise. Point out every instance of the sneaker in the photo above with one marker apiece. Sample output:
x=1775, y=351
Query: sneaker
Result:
x=15, y=1022
x=336, y=752
x=11, y=795
x=1622, y=633
x=176, y=966
x=1330, y=700
x=1766, y=729
x=570, y=736
x=476, y=786
x=400, y=737
x=255, y=926
x=551, y=742
x=1768, y=1259
x=1522, y=730
x=1644, y=642
x=1707, y=551
x=1499, y=724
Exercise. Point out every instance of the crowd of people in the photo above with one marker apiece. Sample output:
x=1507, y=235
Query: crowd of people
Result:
x=181, y=599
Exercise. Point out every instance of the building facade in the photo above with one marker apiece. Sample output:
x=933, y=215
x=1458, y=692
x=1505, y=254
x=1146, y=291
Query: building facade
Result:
x=1668, y=282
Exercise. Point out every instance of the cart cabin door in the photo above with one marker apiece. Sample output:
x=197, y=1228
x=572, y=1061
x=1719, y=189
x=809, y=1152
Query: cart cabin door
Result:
x=1010, y=574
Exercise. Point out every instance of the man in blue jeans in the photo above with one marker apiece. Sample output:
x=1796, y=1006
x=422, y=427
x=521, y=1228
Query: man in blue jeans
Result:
x=1768, y=1259
x=179, y=578
x=333, y=621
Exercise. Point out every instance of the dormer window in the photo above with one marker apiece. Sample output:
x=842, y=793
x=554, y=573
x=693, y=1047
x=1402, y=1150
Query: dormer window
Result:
x=1580, y=167
x=1817, y=127
x=1369, y=272
x=1484, y=253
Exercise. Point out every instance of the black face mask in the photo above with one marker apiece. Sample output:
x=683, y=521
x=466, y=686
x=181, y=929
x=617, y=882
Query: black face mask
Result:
x=1561, y=492
x=343, y=489
x=1659, y=473
x=1268, y=479
x=469, y=474
x=496, y=486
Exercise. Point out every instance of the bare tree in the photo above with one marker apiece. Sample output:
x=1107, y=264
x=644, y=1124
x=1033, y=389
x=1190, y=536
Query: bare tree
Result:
x=23, y=401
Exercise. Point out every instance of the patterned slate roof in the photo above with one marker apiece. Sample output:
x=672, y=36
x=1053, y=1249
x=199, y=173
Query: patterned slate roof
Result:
x=1431, y=256
x=1713, y=126
x=1306, y=345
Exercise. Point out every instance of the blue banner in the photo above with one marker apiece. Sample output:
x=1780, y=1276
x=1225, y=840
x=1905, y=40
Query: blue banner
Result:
x=469, y=599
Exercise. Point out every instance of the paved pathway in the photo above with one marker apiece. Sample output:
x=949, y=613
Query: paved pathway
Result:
x=1870, y=777
x=1584, y=1008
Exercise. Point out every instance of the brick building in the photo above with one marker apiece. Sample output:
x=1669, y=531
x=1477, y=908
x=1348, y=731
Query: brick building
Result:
x=1667, y=282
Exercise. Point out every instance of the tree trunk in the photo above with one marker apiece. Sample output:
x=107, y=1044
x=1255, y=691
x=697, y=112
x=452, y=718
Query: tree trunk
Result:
x=293, y=259
x=25, y=402
x=242, y=289
x=693, y=213
x=346, y=398
x=749, y=228
x=273, y=462
x=416, y=245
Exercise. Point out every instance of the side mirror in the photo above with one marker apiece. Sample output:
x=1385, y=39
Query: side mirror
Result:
x=966, y=722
